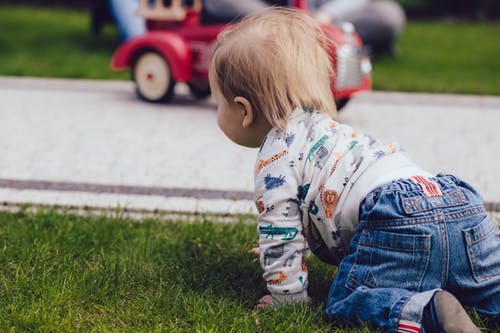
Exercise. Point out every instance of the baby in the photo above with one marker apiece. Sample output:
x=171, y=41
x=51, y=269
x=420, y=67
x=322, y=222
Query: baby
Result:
x=412, y=247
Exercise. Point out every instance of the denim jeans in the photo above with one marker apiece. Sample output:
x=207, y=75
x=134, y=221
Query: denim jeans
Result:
x=412, y=242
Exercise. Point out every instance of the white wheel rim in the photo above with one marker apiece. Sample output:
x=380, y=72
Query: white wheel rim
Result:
x=152, y=76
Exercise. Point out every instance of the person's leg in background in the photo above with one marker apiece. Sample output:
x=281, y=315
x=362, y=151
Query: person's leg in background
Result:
x=379, y=25
x=129, y=24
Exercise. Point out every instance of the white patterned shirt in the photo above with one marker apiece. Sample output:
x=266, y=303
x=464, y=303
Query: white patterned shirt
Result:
x=309, y=182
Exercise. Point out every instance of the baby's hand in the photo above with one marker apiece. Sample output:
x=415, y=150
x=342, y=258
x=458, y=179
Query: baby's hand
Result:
x=265, y=302
x=256, y=251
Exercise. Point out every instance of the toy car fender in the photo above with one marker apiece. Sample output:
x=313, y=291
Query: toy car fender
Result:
x=171, y=46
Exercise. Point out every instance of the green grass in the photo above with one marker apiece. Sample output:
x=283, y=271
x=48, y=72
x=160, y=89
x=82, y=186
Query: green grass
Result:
x=61, y=272
x=37, y=41
x=437, y=56
x=443, y=57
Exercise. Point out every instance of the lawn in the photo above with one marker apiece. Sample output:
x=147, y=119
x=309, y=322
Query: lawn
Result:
x=443, y=57
x=45, y=42
x=437, y=56
x=63, y=272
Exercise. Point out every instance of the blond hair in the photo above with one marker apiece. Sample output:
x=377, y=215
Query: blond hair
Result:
x=276, y=59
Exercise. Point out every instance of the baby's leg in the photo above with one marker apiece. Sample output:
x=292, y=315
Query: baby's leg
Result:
x=474, y=276
x=368, y=301
x=372, y=295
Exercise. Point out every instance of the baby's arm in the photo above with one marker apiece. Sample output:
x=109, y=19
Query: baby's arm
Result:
x=282, y=243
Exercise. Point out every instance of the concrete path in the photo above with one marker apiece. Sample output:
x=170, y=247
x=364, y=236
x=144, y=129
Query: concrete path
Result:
x=93, y=144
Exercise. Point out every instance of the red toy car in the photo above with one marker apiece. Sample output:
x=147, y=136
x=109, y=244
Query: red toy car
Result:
x=180, y=40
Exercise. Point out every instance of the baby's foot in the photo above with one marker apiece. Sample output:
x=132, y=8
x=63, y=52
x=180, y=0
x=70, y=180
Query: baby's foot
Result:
x=451, y=314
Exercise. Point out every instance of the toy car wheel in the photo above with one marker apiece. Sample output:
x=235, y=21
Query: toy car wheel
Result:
x=340, y=103
x=199, y=89
x=153, y=78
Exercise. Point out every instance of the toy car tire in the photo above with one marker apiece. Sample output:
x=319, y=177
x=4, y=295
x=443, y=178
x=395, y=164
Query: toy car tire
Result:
x=152, y=76
x=199, y=89
x=340, y=103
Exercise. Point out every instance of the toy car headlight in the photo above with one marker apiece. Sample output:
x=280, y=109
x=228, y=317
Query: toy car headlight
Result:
x=352, y=66
x=347, y=27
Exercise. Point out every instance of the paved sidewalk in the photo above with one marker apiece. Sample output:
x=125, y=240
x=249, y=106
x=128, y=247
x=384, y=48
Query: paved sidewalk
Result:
x=92, y=143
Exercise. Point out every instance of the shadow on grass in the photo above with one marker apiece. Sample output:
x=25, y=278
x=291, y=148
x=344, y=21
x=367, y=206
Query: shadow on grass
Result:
x=215, y=257
x=208, y=257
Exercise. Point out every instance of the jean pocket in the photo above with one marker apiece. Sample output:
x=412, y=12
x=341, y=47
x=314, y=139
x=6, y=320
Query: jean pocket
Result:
x=483, y=250
x=390, y=260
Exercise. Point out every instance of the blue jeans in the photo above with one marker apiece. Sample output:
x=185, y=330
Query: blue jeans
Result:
x=411, y=243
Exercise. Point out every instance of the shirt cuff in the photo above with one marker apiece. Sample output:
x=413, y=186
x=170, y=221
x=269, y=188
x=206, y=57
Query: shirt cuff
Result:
x=301, y=297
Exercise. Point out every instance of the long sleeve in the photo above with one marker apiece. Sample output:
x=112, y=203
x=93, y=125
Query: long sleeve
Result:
x=281, y=241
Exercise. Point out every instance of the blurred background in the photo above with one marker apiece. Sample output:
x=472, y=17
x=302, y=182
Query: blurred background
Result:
x=447, y=46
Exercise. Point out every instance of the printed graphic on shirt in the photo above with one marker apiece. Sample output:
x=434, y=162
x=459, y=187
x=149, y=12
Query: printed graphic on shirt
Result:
x=269, y=208
x=282, y=278
x=270, y=231
x=273, y=182
x=274, y=158
x=313, y=208
x=322, y=152
x=357, y=156
x=273, y=253
x=321, y=157
x=292, y=208
x=289, y=138
x=302, y=192
x=352, y=144
x=336, y=235
x=291, y=257
x=260, y=204
x=315, y=147
x=281, y=252
x=371, y=141
x=378, y=154
x=338, y=156
x=329, y=200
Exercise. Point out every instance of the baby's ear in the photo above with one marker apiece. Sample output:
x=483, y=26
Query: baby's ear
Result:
x=248, y=116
